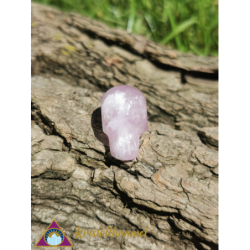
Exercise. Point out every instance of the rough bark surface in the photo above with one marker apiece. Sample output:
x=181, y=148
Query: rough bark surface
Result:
x=172, y=186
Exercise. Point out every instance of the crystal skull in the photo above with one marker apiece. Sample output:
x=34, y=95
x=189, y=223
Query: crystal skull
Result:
x=124, y=119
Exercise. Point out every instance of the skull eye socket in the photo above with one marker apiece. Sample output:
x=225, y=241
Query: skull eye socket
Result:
x=109, y=113
x=137, y=116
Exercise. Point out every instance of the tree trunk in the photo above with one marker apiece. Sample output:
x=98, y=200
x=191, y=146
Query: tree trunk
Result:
x=172, y=186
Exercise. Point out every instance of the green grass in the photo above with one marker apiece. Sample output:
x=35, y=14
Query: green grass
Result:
x=186, y=25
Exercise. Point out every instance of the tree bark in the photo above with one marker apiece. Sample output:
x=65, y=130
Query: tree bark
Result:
x=171, y=187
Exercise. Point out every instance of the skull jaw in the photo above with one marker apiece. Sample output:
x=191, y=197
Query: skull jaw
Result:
x=124, y=150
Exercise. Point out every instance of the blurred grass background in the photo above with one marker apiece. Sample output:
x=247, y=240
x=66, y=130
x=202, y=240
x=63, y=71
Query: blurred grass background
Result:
x=186, y=25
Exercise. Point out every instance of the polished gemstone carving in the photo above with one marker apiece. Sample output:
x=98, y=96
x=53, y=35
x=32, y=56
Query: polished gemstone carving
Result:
x=124, y=119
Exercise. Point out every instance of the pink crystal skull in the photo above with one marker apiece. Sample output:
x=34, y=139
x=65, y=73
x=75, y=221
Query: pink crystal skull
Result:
x=124, y=119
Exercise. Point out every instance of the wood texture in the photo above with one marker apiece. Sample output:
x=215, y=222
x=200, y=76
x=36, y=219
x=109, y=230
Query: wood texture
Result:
x=172, y=186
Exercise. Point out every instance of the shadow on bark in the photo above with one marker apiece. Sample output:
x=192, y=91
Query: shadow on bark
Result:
x=96, y=124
